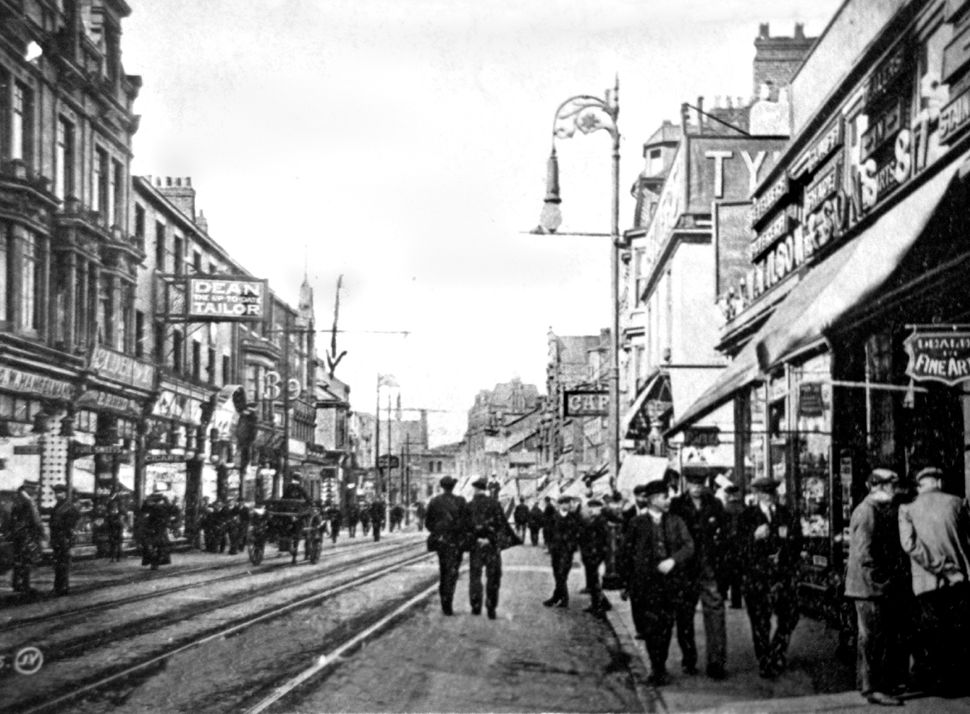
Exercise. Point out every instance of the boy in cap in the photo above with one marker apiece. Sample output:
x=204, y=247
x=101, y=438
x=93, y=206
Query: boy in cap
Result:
x=656, y=546
x=704, y=516
x=770, y=543
x=64, y=519
x=877, y=579
x=490, y=534
x=593, y=547
x=563, y=540
x=933, y=531
x=447, y=521
x=26, y=531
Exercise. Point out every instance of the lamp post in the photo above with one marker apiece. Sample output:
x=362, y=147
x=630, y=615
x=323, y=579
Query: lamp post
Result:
x=588, y=114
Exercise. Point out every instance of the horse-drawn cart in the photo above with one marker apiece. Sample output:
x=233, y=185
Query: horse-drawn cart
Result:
x=285, y=522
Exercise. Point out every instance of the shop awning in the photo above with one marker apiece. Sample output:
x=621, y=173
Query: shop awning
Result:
x=848, y=278
x=637, y=469
x=650, y=388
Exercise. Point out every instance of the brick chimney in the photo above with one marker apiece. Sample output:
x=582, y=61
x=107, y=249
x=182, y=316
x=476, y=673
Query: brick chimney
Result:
x=179, y=191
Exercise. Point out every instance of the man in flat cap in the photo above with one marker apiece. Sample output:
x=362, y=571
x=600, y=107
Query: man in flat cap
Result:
x=490, y=534
x=770, y=543
x=729, y=572
x=26, y=532
x=933, y=531
x=564, y=533
x=447, y=521
x=876, y=579
x=704, y=516
x=655, y=549
x=64, y=519
x=594, y=544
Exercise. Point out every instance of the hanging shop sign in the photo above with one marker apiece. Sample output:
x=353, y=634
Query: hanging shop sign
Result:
x=180, y=407
x=99, y=400
x=586, y=403
x=226, y=299
x=14, y=380
x=939, y=355
x=79, y=450
x=122, y=368
x=702, y=436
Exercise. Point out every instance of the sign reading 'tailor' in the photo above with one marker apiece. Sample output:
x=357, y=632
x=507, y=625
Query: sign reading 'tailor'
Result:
x=938, y=354
x=226, y=299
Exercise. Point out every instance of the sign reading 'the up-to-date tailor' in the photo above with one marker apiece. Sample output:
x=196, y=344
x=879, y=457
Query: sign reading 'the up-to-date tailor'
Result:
x=226, y=299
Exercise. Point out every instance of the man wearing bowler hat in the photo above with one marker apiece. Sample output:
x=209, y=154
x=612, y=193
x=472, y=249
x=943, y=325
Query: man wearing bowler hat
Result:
x=656, y=547
x=64, y=519
x=489, y=534
x=770, y=545
x=876, y=580
x=447, y=521
x=704, y=516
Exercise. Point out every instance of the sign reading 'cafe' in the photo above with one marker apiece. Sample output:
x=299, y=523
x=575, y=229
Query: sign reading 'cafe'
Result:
x=942, y=355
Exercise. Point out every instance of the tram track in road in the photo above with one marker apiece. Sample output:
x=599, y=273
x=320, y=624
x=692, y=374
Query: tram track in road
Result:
x=246, y=570
x=139, y=577
x=79, y=645
x=59, y=699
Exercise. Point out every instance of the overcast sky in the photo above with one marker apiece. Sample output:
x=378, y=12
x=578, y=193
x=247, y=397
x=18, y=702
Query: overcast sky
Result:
x=403, y=144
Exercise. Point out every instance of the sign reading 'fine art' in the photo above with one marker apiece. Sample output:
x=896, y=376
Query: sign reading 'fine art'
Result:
x=226, y=299
x=940, y=355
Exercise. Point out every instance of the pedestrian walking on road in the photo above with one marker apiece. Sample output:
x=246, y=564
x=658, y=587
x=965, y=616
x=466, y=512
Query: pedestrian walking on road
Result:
x=420, y=512
x=115, y=522
x=489, y=534
x=365, y=519
x=934, y=531
x=770, y=546
x=353, y=518
x=64, y=519
x=377, y=512
x=564, y=534
x=704, y=516
x=593, y=548
x=157, y=517
x=876, y=580
x=656, y=546
x=548, y=513
x=26, y=532
x=520, y=516
x=334, y=518
x=447, y=520
x=536, y=518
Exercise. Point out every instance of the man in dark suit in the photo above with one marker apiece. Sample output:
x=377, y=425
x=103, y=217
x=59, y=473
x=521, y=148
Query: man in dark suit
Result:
x=536, y=519
x=26, y=532
x=594, y=545
x=656, y=546
x=770, y=542
x=521, y=517
x=64, y=519
x=876, y=579
x=489, y=534
x=564, y=533
x=447, y=521
x=377, y=511
x=705, y=519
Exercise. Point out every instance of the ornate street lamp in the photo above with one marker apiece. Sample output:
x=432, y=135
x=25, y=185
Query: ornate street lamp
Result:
x=588, y=114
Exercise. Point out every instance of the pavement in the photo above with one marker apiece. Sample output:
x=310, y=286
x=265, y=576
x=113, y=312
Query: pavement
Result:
x=816, y=680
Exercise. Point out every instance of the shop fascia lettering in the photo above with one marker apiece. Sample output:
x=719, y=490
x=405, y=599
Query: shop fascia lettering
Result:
x=122, y=368
x=842, y=181
x=14, y=380
x=178, y=407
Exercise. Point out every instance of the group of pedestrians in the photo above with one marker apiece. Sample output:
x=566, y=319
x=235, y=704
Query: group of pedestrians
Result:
x=223, y=524
x=909, y=577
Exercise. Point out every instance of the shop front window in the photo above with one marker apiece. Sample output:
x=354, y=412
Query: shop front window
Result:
x=813, y=425
x=755, y=465
x=778, y=431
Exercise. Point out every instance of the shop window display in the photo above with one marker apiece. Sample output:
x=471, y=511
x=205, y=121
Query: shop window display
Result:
x=813, y=425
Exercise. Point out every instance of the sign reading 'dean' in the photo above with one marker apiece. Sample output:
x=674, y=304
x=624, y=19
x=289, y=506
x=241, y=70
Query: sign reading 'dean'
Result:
x=219, y=299
x=938, y=354
x=586, y=403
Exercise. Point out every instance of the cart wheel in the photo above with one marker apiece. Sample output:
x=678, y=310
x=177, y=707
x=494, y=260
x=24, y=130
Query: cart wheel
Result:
x=314, y=551
x=255, y=553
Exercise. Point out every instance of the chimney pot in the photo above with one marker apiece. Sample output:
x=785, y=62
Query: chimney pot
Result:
x=764, y=32
x=799, y=30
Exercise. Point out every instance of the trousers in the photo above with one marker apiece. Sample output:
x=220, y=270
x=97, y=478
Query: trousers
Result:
x=766, y=598
x=881, y=661
x=489, y=559
x=449, y=566
x=562, y=563
x=715, y=628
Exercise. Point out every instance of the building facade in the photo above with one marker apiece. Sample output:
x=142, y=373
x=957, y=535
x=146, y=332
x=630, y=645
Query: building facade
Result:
x=851, y=353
